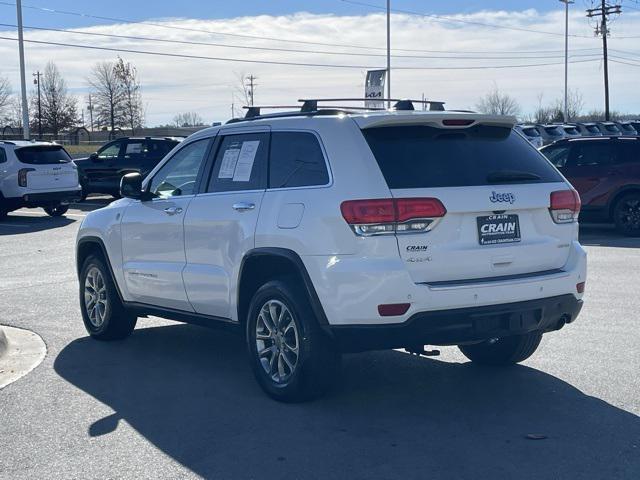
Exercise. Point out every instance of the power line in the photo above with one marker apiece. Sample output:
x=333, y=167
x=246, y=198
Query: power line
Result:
x=443, y=18
x=274, y=62
x=288, y=50
x=255, y=37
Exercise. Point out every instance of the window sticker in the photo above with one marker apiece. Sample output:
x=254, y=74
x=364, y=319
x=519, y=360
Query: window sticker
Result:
x=134, y=148
x=229, y=162
x=245, y=161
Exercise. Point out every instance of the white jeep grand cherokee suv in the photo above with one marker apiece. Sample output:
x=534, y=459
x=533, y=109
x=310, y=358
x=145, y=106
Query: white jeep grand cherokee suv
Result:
x=329, y=231
x=36, y=174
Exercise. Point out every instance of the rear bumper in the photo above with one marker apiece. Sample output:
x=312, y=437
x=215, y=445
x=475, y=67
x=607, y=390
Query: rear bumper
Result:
x=464, y=325
x=50, y=198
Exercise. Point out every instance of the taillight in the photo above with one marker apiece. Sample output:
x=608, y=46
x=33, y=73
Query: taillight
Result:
x=565, y=206
x=22, y=176
x=389, y=216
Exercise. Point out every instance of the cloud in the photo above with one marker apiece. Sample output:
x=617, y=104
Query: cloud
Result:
x=173, y=85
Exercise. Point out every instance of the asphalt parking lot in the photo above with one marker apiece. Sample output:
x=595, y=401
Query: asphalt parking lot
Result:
x=178, y=401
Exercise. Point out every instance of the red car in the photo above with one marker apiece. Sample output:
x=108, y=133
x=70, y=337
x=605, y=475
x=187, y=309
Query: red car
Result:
x=606, y=173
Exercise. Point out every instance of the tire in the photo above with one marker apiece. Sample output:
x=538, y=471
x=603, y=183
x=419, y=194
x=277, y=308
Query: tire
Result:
x=57, y=210
x=504, y=351
x=284, y=374
x=112, y=321
x=626, y=215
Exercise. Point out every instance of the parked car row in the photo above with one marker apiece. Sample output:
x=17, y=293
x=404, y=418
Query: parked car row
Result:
x=540, y=135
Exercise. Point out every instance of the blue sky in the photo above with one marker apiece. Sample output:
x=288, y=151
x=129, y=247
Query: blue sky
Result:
x=524, y=57
x=142, y=10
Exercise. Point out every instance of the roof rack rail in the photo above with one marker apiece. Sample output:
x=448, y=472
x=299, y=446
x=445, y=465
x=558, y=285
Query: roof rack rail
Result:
x=311, y=104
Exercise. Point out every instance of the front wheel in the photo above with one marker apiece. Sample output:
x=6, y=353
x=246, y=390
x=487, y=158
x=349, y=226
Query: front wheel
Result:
x=503, y=351
x=290, y=356
x=626, y=215
x=56, y=210
x=104, y=316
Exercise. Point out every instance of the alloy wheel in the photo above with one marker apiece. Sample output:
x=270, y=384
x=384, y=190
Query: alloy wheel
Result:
x=95, y=297
x=277, y=341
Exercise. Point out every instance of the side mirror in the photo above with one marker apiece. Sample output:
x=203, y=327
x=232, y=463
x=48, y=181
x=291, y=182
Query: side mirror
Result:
x=131, y=187
x=94, y=157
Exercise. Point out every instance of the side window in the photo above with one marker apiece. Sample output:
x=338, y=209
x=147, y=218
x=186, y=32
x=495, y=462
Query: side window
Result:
x=296, y=160
x=629, y=152
x=3, y=155
x=157, y=149
x=134, y=150
x=557, y=155
x=592, y=154
x=110, y=151
x=241, y=163
x=178, y=176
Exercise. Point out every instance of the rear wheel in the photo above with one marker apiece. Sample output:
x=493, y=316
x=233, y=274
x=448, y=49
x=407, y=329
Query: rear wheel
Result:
x=503, y=351
x=104, y=316
x=626, y=215
x=56, y=210
x=289, y=354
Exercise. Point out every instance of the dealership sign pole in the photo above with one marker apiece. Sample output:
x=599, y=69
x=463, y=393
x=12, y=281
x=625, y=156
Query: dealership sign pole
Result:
x=23, y=82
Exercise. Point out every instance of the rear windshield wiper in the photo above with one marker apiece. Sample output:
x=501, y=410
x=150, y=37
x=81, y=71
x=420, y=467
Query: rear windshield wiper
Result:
x=511, y=176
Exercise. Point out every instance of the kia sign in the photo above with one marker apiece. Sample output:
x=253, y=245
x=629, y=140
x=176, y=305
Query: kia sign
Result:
x=374, y=88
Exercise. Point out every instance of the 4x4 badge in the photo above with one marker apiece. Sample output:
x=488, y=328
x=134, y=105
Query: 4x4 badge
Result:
x=502, y=197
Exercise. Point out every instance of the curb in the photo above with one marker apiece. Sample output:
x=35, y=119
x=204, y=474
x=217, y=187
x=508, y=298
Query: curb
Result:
x=4, y=343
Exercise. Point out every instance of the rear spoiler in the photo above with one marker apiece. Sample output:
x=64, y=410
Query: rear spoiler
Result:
x=448, y=120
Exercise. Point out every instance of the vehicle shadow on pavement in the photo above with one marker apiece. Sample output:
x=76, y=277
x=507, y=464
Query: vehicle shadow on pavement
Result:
x=16, y=224
x=191, y=393
x=597, y=235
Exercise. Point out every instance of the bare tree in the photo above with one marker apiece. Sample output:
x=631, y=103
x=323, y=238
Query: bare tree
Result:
x=497, y=103
x=575, y=104
x=241, y=93
x=132, y=108
x=108, y=97
x=188, y=119
x=5, y=94
x=58, y=109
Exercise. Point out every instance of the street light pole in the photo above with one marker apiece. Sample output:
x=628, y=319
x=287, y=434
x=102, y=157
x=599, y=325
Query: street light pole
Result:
x=388, y=53
x=566, y=59
x=23, y=81
x=37, y=82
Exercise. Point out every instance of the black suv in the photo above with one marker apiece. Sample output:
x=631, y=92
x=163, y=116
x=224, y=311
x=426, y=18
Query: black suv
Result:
x=102, y=171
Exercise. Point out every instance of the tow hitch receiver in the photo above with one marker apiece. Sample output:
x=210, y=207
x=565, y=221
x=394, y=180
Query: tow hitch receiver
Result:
x=421, y=351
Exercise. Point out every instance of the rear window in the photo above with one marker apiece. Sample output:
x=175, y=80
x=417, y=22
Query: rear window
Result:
x=38, y=155
x=531, y=132
x=553, y=131
x=571, y=131
x=592, y=129
x=428, y=157
x=627, y=128
x=612, y=128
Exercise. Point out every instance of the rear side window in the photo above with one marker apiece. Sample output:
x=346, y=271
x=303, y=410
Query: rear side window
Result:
x=42, y=155
x=592, y=153
x=296, y=160
x=557, y=154
x=134, y=149
x=428, y=157
x=3, y=155
x=241, y=163
x=157, y=149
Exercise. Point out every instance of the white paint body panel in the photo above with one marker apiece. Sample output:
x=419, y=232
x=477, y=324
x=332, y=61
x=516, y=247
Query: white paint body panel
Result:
x=198, y=266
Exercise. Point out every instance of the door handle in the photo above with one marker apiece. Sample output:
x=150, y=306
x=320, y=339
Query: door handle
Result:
x=172, y=210
x=244, y=206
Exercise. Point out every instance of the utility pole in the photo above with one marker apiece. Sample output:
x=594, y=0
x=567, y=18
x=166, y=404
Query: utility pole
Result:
x=389, y=53
x=604, y=11
x=251, y=86
x=23, y=81
x=90, y=113
x=566, y=59
x=36, y=80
